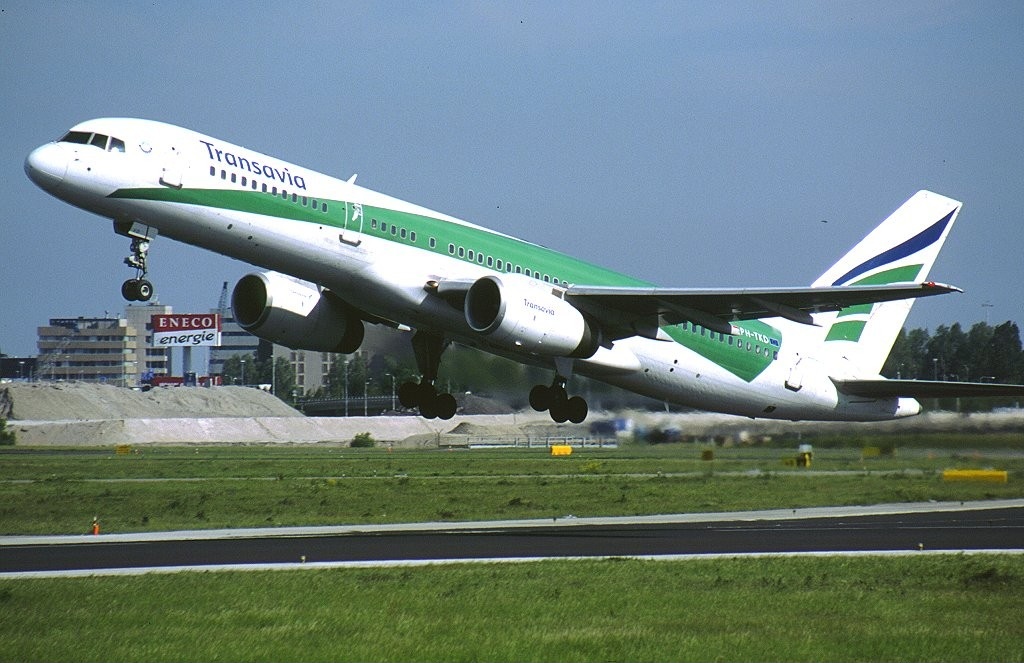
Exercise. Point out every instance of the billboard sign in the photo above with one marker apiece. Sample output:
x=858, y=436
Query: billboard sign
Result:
x=186, y=329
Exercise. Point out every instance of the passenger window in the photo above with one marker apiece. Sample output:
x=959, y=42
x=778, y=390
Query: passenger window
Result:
x=471, y=255
x=451, y=249
x=402, y=233
x=245, y=181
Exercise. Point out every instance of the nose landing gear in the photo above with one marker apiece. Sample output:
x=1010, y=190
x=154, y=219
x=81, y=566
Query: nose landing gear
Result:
x=136, y=289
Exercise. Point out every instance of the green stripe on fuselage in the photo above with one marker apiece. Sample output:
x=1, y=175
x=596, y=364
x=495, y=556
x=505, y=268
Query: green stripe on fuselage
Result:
x=483, y=243
x=745, y=355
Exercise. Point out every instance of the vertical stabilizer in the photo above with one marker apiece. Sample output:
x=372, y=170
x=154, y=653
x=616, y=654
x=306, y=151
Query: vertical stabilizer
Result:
x=902, y=249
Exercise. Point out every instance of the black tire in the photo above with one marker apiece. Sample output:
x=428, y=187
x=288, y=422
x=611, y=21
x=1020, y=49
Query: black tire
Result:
x=540, y=397
x=130, y=290
x=446, y=406
x=559, y=410
x=577, y=409
x=144, y=290
x=427, y=400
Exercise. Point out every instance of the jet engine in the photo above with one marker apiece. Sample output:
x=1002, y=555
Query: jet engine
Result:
x=295, y=313
x=524, y=314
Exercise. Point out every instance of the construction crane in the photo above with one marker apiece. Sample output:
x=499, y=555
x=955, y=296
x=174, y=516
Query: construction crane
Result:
x=222, y=303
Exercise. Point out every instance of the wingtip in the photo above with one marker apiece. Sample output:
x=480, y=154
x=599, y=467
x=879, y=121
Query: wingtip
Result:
x=944, y=287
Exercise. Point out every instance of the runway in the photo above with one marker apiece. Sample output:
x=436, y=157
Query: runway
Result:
x=977, y=526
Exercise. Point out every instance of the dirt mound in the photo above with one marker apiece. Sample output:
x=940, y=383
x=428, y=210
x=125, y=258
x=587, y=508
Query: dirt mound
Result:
x=56, y=401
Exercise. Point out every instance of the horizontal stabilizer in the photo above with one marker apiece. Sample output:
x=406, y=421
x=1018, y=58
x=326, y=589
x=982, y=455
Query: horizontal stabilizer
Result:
x=927, y=389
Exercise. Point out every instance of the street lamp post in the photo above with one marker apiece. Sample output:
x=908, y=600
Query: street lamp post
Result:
x=345, y=390
x=392, y=376
x=243, y=372
x=366, y=388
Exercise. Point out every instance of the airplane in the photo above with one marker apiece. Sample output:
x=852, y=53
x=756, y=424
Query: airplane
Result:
x=339, y=256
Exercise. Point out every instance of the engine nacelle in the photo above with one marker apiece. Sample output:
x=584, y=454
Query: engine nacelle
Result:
x=524, y=314
x=295, y=314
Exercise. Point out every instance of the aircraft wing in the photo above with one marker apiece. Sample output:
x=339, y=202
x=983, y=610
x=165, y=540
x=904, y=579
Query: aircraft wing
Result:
x=628, y=311
x=926, y=389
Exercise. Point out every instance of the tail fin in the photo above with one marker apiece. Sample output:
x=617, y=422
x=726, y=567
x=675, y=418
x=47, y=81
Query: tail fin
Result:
x=902, y=249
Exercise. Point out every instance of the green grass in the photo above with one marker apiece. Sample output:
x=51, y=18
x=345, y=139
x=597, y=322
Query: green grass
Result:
x=47, y=491
x=942, y=608
x=920, y=607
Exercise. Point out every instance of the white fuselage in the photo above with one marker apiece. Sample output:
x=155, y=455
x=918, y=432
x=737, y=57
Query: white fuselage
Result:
x=385, y=277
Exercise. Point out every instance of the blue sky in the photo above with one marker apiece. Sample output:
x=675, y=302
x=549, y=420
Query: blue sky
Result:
x=690, y=144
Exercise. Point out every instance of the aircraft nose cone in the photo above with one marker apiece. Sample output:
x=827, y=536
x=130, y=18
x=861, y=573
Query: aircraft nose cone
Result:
x=46, y=166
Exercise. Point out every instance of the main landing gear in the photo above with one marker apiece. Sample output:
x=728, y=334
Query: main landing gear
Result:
x=137, y=289
x=558, y=403
x=423, y=395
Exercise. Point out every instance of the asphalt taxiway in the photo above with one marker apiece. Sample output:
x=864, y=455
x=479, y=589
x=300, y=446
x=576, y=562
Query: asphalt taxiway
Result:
x=886, y=529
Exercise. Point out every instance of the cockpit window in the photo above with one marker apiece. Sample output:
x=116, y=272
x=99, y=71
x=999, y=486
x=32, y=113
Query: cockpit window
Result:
x=80, y=137
x=101, y=141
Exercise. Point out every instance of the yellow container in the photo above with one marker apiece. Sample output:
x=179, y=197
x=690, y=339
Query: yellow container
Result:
x=994, y=476
x=561, y=450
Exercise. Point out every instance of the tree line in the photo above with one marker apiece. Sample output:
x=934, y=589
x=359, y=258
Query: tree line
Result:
x=981, y=354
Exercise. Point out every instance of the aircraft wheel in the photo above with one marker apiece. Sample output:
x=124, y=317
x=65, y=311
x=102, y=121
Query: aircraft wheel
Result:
x=144, y=290
x=576, y=409
x=426, y=397
x=446, y=406
x=407, y=394
x=559, y=410
x=428, y=408
x=540, y=397
x=130, y=290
